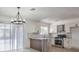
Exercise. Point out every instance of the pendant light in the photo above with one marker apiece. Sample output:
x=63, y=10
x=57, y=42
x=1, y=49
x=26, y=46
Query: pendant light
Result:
x=19, y=19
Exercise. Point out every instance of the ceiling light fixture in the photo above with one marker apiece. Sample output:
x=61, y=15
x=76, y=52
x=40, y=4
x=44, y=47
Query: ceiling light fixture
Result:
x=18, y=19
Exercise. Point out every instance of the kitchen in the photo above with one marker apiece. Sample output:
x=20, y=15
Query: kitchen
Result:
x=44, y=29
x=61, y=31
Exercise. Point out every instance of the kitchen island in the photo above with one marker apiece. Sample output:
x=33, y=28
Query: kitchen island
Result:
x=40, y=44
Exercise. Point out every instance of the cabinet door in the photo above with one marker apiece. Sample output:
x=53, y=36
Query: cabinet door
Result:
x=67, y=43
x=67, y=28
x=53, y=41
x=36, y=44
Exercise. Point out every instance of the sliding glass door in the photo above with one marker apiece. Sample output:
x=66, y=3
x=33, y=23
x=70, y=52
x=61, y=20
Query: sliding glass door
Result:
x=7, y=37
x=18, y=36
x=11, y=37
x=1, y=37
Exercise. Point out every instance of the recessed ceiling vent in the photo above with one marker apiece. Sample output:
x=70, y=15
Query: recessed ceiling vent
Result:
x=32, y=9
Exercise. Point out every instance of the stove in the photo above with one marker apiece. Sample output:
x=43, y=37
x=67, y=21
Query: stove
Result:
x=59, y=41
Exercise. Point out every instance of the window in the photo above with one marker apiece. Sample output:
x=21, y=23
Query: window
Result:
x=44, y=30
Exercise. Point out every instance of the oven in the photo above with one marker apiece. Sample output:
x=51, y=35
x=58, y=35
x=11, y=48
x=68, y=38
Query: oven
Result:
x=59, y=41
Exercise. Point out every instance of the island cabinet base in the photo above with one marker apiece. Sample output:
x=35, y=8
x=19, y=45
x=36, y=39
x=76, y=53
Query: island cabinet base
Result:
x=40, y=45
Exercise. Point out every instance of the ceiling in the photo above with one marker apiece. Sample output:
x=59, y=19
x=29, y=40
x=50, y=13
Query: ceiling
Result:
x=55, y=13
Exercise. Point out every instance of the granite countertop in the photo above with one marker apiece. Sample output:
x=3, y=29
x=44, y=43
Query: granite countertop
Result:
x=41, y=38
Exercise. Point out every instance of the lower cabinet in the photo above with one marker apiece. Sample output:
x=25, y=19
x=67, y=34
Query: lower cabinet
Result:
x=67, y=43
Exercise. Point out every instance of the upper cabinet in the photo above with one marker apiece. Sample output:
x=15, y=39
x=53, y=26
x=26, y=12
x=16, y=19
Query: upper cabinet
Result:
x=67, y=28
x=60, y=28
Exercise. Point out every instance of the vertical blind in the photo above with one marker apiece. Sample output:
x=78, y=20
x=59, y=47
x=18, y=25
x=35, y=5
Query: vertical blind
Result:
x=11, y=36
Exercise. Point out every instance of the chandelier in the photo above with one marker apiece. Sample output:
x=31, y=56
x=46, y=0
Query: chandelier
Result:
x=18, y=19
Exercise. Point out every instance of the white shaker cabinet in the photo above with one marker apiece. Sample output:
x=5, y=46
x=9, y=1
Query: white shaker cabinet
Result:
x=67, y=43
